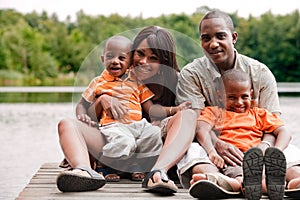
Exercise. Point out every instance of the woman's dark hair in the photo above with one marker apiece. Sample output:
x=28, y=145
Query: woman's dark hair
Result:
x=162, y=44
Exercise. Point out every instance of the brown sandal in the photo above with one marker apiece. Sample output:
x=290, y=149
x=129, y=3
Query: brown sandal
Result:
x=112, y=178
x=138, y=176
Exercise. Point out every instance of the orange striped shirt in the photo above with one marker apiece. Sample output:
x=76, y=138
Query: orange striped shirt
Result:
x=243, y=130
x=129, y=91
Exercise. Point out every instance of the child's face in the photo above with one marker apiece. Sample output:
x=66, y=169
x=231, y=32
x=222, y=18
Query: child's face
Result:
x=146, y=63
x=238, y=96
x=116, y=57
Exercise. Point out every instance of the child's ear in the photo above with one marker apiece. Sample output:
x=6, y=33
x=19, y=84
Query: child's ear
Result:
x=251, y=93
x=102, y=58
x=253, y=101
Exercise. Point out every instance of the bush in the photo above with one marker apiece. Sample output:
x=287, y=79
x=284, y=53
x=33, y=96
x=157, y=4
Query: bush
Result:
x=9, y=78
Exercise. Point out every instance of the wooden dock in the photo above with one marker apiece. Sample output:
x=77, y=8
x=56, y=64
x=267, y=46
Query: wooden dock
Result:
x=42, y=186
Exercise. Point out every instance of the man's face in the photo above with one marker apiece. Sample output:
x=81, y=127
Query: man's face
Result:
x=218, y=42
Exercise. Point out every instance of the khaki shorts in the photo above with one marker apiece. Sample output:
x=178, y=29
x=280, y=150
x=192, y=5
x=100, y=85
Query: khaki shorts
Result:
x=123, y=140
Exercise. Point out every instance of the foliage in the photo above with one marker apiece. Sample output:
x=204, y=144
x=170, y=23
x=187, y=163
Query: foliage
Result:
x=39, y=49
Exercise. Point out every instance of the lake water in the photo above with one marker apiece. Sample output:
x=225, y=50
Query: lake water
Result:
x=28, y=136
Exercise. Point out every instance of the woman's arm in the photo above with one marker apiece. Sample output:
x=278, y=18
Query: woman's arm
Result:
x=95, y=110
x=82, y=113
x=156, y=110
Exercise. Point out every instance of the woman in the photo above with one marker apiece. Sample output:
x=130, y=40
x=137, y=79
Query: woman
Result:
x=154, y=62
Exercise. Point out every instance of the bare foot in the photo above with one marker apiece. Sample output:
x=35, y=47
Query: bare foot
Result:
x=294, y=183
x=197, y=177
x=78, y=172
x=234, y=183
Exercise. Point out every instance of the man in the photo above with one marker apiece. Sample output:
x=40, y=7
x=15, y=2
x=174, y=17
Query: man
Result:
x=200, y=82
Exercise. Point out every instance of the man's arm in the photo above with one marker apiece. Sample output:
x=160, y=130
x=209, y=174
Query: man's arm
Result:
x=204, y=132
x=232, y=155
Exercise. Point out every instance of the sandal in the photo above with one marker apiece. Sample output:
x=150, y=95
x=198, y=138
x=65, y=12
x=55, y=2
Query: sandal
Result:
x=138, y=176
x=215, y=187
x=109, y=174
x=64, y=164
x=112, y=178
x=252, y=173
x=275, y=165
x=69, y=181
x=164, y=187
x=293, y=193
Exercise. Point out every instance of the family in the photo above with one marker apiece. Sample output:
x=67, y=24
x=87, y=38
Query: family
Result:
x=217, y=120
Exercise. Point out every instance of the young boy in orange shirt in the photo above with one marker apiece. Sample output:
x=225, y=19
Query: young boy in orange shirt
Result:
x=242, y=125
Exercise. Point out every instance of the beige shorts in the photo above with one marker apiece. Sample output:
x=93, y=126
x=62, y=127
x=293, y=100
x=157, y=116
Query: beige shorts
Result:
x=139, y=138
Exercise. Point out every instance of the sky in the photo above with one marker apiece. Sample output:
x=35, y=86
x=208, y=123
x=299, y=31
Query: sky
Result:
x=152, y=8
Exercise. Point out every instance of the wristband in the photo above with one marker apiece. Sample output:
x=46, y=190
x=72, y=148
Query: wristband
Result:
x=170, y=111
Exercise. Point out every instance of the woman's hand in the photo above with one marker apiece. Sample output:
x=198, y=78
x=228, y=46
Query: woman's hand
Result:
x=86, y=119
x=184, y=105
x=232, y=155
x=113, y=107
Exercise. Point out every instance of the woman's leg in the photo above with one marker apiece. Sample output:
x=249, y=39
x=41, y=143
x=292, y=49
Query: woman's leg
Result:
x=77, y=139
x=180, y=134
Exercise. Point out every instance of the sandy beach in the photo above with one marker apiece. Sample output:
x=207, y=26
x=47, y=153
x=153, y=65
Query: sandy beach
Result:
x=29, y=138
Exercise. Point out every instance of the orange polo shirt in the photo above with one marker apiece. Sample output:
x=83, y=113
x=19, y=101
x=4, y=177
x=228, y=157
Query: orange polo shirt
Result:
x=243, y=130
x=129, y=91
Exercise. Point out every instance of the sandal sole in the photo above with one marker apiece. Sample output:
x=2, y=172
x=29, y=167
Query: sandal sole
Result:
x=75, y=183
x=293, y=193
x=252, y=171
x=275, y=165
x=204, y=189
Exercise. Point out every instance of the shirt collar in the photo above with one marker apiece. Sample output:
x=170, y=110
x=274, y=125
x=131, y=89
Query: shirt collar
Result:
x=106, y=76
x=214, y=69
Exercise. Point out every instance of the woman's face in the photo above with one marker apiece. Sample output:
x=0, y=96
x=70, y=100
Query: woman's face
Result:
x=146, y=64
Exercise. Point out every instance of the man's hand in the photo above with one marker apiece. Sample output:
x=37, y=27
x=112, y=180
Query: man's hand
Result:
x=216, y=159
x=232, y=155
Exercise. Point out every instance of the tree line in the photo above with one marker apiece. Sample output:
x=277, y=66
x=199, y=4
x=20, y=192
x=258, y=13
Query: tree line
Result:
x=40, y=49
